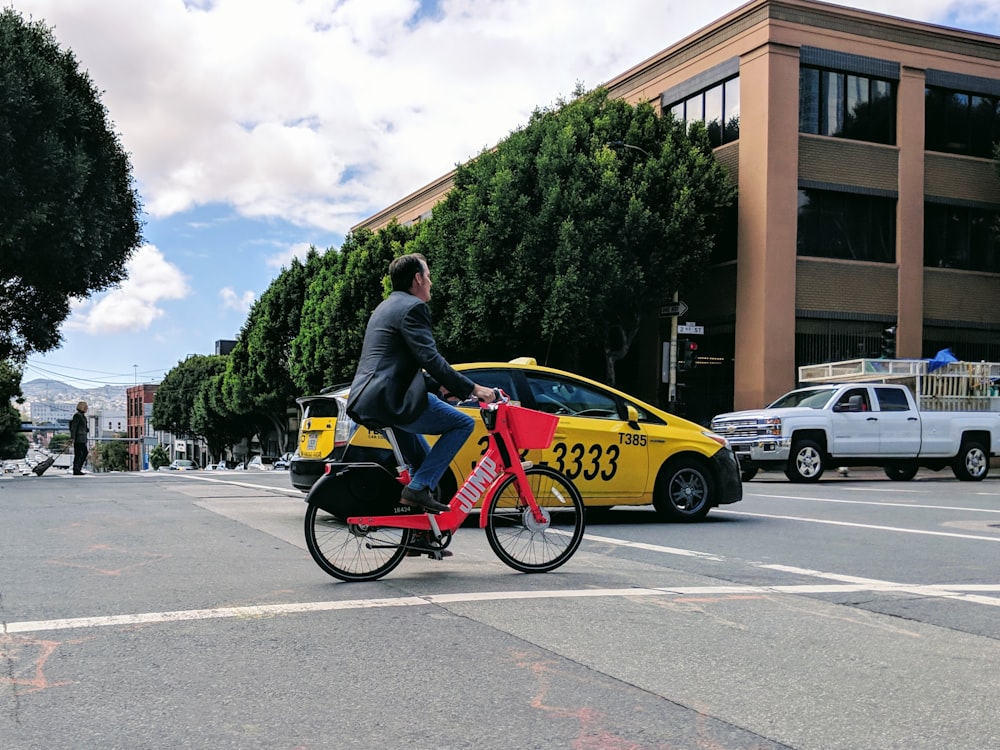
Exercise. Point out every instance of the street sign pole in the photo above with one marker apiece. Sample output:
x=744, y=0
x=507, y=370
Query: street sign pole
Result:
x=672, y=388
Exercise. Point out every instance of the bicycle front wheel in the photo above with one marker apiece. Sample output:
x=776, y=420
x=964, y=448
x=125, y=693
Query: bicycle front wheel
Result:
x=525, y=543
x=350, y=552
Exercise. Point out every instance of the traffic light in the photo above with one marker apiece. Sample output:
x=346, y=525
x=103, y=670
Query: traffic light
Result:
x=687, y=353
x=889, y=342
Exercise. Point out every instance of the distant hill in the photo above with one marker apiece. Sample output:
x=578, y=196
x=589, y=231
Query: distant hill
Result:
x=102, y=398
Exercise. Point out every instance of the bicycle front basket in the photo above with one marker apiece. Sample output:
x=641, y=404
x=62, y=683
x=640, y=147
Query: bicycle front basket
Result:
x=532, y=429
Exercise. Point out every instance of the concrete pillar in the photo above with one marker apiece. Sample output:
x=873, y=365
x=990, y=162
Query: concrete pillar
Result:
x=768, y=212
x=910, y=213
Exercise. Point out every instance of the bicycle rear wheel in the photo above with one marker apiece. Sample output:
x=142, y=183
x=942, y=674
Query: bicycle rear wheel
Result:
x=350, y=552
x=524, y=543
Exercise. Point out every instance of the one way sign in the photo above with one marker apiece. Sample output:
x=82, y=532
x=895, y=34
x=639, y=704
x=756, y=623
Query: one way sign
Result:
x=673, y=310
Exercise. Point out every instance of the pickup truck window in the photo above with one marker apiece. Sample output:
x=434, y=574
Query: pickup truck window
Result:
x=812, y=398
x=892, y=399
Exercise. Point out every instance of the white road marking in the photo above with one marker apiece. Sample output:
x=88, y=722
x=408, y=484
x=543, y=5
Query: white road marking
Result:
x=272, y=610
x=874, y=527
x=653, y=547
x=871, y=502
x=186, y=475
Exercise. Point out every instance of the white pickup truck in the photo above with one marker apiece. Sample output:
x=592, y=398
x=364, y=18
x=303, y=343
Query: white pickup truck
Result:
x=859, y=424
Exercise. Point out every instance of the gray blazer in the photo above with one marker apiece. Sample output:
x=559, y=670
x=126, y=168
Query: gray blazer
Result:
x=389, y=387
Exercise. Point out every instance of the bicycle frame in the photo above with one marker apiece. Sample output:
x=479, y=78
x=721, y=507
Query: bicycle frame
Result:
x=500, y=460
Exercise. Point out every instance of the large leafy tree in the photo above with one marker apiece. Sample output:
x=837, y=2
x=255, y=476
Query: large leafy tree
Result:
x=13, y=444
x=338, y=303
x=258, y=382
x=188, y=402
x=559, y=240
x=69, y=220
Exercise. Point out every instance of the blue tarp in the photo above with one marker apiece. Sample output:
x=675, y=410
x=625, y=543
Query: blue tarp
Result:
x=942, y=358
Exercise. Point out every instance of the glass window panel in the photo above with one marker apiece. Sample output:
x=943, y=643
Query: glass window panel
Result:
x=957, y=123
x=935, y=119
x=841, y=225
x=982, y=126
x=882, y=112
x=713, y=114
x=694, y=109
x=808, y=100
x=807, y=236
x=856, y=115
x=678, y=111
x=833, y=101
x=732, y=110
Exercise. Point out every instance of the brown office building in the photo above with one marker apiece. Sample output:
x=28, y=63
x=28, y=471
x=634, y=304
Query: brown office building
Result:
x=868, y=197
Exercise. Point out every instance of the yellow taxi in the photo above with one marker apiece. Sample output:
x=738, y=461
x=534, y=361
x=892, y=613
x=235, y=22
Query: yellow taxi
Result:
x=617, y=449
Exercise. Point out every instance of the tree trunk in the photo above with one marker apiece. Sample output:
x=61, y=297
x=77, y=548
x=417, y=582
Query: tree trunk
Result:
x=625, y=336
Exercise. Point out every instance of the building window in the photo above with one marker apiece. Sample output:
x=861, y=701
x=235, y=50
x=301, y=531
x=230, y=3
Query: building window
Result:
x=961, y=237
x=959, y=122
x=846, y=105
x=717, y=106
x=846, y=226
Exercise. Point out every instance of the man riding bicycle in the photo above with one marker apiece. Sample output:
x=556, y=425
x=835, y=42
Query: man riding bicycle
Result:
x=399, y=375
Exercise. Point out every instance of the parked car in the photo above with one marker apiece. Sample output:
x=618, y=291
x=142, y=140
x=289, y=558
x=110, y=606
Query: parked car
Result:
x=260, y=463
x=617, y=449
x=283, y=461
x=180, y=464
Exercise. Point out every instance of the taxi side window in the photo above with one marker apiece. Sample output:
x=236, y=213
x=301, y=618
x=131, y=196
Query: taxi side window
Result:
x=501, y=379
x=564, y=397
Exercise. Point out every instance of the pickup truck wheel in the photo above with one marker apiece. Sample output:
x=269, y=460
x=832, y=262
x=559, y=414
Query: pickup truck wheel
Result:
x=971, y=464
x=683, y=491
x=806, y=462
x=747, y=474
x=901, y=472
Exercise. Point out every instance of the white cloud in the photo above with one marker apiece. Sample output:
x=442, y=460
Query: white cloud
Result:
x=239, y=302
x=134, y=305
x=324, y=112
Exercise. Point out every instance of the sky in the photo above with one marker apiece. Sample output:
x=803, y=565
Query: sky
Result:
x=259, y=128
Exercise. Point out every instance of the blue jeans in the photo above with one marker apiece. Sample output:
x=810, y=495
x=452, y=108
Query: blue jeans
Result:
x=442, y=419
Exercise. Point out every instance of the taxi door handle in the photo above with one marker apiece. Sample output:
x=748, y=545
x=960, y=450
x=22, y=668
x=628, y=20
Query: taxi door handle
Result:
x=557, y=436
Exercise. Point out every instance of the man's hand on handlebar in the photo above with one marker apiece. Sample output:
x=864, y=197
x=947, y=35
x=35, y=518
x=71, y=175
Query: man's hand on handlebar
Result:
x=484, y=394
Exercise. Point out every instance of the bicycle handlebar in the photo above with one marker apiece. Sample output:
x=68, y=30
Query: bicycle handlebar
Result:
x=499, y=397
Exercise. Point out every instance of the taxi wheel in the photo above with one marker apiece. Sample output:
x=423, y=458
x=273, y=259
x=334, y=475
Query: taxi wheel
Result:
x=683, y=490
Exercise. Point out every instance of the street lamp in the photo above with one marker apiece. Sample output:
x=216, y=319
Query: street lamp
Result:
x=622, y=144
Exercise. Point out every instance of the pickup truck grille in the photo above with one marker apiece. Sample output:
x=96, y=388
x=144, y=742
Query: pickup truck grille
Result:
x=736, y=428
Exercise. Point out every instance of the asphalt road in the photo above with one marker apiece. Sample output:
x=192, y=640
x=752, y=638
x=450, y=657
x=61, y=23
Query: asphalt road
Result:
x=183, y=611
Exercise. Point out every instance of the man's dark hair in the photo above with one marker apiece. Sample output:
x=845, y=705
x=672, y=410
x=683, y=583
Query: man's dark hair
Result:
x=403, y=269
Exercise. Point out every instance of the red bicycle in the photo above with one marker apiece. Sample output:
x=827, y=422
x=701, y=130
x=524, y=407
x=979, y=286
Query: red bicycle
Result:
x=357, y=529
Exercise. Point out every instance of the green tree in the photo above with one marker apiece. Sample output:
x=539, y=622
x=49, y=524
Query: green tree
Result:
x=70, y=217
x=60, y=442
x=113, y=454
x=338, y=303
x=556, y=243
x=11, y=438
x=210, y=418
x=258, y=383
x=189, y=402
x=158, y=456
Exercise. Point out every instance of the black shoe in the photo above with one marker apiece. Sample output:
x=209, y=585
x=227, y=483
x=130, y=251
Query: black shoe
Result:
x=423, y=499
x=77, y=473
x=420, y=545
